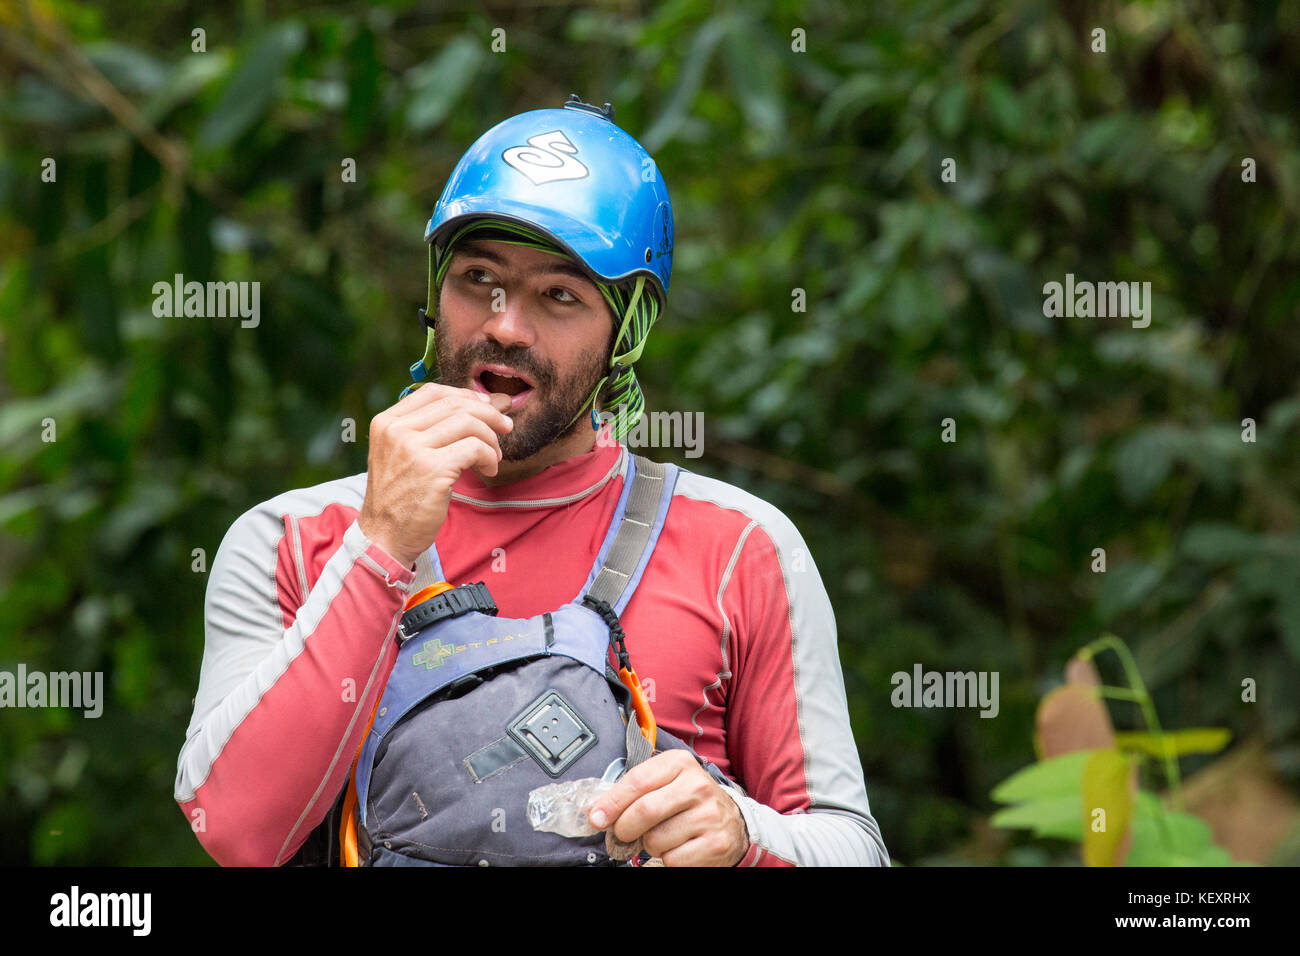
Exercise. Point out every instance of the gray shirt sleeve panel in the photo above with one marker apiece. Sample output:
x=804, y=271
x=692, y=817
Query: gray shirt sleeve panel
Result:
x=246, y=646
x=821, y=837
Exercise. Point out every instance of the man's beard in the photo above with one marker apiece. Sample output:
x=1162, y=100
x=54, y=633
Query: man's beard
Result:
x=551, y=409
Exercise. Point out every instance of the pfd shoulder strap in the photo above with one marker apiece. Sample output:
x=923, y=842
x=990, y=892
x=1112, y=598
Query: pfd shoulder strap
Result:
x=643, y=518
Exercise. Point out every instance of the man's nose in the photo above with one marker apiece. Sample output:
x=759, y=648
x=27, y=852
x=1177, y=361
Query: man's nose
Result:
x=508, y=323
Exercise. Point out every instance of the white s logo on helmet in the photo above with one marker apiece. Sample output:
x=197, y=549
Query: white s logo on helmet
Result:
x=546, y=158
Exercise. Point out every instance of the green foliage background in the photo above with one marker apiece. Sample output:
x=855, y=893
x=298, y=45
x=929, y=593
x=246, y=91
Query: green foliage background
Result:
x=816, y=170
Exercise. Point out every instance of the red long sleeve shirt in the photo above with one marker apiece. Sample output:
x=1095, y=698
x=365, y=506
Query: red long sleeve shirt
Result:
x=730, y=629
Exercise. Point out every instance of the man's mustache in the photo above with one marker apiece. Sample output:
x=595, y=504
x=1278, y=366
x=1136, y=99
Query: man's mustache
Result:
x=518, y=359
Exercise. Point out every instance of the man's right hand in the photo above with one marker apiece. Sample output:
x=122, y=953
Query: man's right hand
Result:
x=418, y=448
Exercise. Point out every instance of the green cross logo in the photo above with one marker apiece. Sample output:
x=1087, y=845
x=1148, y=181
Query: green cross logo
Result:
x=432, y=655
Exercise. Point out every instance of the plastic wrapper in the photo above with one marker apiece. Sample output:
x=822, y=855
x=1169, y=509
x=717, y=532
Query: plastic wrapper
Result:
x=562, y=807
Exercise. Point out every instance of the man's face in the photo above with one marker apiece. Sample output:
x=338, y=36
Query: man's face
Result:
x=544, y=338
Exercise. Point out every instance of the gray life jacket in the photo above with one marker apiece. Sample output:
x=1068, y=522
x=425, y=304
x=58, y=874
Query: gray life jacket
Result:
x=479, y=710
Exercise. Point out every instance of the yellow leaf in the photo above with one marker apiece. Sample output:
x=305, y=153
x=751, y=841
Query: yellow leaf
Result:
x=1191, y=740
x=1107, y=807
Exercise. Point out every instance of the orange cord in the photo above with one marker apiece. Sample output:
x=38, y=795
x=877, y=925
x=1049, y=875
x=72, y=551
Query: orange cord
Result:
x=348, y=829
x=644, y=716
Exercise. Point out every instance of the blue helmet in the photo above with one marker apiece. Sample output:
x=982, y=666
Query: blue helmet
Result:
x=569, y=180
x=578, y=178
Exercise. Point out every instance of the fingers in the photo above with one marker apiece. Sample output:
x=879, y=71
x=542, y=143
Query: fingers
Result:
x=500, y=401
x=451, y=430
x=650, y=793
x=642, y=778
x=671, y=840
x=453, y=411
x=708, y=848
x=424, y=417
x=418, y=449
x=423, y=394
x=653, y=809
x=698, y=824
x=472, y=452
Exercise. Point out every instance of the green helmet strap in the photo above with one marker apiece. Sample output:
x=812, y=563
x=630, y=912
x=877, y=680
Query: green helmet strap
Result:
x=636, y=312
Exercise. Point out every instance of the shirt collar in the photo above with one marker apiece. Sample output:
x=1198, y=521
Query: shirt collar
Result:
x=560, y=484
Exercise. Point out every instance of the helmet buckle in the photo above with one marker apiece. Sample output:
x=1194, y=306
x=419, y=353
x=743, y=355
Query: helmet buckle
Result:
x=574, y=102
x=615, y=370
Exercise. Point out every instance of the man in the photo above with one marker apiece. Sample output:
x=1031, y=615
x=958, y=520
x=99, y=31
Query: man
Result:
x=550, y=253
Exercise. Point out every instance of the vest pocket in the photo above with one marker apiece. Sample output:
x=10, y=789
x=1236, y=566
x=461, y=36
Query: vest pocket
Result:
x=450, y=782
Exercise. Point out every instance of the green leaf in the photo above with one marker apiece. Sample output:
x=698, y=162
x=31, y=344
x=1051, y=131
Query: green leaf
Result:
x=1191, y=740
x=35, y=101
x=1057, y=777
x=950, y=109
x=1214, y=542
x=20, y=502
x=691, y=77
x=436, y=87
x=22, y=420
x=1003, y=105
x=248, y=93
x=849, y=98
x=184, y=81
x=753, y=75
x=1282, y=416
x=1143, y=461
x=1179, y=840
x=363, y=83
x=1055, y=817
x=1099, y=138
x=1125, y=587
x=127, y=68
x=150, y=504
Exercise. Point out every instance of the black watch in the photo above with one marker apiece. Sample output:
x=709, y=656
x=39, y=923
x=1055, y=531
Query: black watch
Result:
x=459, y=600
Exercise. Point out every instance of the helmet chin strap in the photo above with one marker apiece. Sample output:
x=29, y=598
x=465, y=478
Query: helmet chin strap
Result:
x=596, y=393
x=420, y=369
x=620, y=366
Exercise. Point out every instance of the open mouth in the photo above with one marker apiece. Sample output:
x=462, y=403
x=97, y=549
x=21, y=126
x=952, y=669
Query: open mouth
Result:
x=507, y=384
x=489, y=380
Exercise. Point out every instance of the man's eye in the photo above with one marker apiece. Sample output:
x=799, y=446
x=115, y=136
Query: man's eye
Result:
x=471, y=273
x=571, y=297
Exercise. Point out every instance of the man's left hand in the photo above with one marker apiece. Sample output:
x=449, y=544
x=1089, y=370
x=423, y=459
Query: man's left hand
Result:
x=681, y=814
